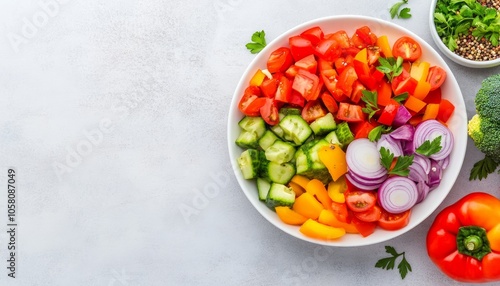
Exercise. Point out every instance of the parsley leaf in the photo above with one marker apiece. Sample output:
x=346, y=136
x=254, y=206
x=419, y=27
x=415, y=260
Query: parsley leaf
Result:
x=430, y=147
x=483, y=168
x=386, y=157
x=400, y=166
x=389, y=262
x=401, y=97
x=391, y=67
x=403, y=13
x=376, y=133
x=258, y=42
x=370, y=98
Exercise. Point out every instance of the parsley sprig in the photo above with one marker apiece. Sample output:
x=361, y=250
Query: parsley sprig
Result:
x=430, y=147
x=376, y=133
x=391, y=67
x=370, y=98
x=401, y=167
x=389, y=262
x=453, y=18
x=403, y=13
x=258, y=42
x=483, y=168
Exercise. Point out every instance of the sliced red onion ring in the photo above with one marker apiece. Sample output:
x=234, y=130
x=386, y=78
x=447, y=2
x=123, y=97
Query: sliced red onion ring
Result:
x=408, y=147
x=394, y=146
x=402, y=116
x=363, y=184
x=398, y=194
x=444, y=163
x=363, y=157
x=422, y=161
x=435, y=175
x=404, y=132
x=430, y=129
x=417, y=173
x=423, y=190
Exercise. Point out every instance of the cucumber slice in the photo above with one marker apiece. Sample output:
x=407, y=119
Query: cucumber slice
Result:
x=296, y=128
x=280, y=195
x=249, y=162
x=263, y=187
x=267, y=139
x=280, y=152
x=323, y=124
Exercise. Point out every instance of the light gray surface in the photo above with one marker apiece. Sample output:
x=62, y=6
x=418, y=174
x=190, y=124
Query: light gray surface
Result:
x=142, y=90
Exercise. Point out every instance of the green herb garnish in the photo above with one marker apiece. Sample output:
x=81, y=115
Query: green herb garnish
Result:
x=391, y=67
x=430, y=147
x=400, y=167
x=370, y=98
x=483, y=168
x=258, y=42
x=396, y=12
x=389, y=262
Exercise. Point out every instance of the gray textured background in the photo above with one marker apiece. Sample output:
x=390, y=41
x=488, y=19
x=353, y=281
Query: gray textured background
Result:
x=142, y=89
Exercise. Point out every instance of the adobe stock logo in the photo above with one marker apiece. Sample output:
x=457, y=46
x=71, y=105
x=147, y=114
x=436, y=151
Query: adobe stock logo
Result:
x=31, y=25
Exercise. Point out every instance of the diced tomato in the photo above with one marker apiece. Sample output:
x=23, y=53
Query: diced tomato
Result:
x=329, y=77
x=446, y=109
x=390, y=221
x=404, y=83
x=307, y=84
x=364, y=37
x=407, y=48
x=436, y=77
x=340, y=212
x=360, y=201
x=312, y=111
x=342, y=38
x=308, y=63
x=350, y=112
x=364, y=228
x=314, y=35
x=297, y=99
x=300, y=47
x=329, y=102
x=388, y=114
x=279, y=60
x=347, y=79
x=284, y=90
x=364, y=75
x=292, y=71
x=269, y=112
x=362, y=129
x=373, y=54
x=377, y=75
x=357, y=91
x=248, y=104
x=343, y=62
x=328, y=49
x=371, y=215
x=269, y=86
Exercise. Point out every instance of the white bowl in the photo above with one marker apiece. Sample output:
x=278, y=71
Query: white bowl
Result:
x=457, y=124
x=451, y=55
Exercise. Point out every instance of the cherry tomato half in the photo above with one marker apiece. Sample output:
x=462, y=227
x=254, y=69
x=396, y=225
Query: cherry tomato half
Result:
x=371, y=215
x=360, y=201
x=407, y=48
x=312, y=111
x=390, y=221
x=436, y=77
x=269, y=112
x=279, y=60
x=350, y=112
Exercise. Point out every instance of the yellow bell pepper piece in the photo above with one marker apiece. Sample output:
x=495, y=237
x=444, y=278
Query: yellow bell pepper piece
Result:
x=336, y=190
x=297, y=189
x=333, y=157
x=308, y=206
x=316, y=188
x=289, y=216
x=328, y=217
x=300, y=180
x=419, y=70
x=315, y=229
x=258, y=78
x=385, y=47
x=362, y=56
x=431, y=111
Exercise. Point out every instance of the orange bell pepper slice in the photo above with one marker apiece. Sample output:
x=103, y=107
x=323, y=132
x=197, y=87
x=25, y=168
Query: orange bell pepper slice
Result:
x=297, y=189
x=308, y=206
x=289, y=216
x=333, y=157
x=328, y=217
x=315, y=187
x=314, y=229
x=336, y=190
x=300, y=180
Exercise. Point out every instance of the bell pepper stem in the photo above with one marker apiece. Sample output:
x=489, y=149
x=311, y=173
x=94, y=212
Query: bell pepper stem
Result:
x=472, y=241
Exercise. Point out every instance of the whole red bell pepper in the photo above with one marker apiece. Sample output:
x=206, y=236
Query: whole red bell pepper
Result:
x=464, y=239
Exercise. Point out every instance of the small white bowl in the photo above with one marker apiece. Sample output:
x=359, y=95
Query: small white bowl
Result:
x=450, y=91
x=451, y=55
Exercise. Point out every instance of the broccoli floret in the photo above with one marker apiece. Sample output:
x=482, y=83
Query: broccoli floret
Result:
x=488, y=99
x=486, y=136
